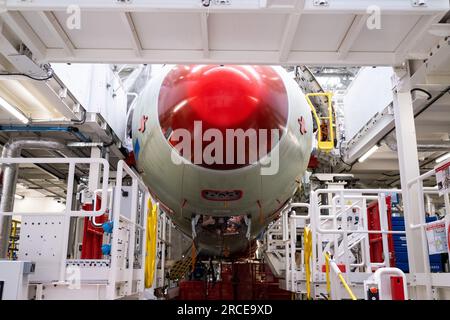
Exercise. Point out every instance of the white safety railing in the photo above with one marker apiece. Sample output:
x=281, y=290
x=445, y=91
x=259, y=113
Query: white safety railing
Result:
x=281, y=244
x=345, y=202
x=274, y=247
x=72, y=162
x=127, y=257
x=338, y=228
x=68, y=211
x=290, y=231
x=422, y=193
x=123, y=270
x=164, y=247
x=293, y=224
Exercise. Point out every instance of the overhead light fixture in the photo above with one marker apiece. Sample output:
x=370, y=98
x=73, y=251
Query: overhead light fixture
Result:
x=14, y=111
x=443, y=158
x=369, y=153
x=19, y=197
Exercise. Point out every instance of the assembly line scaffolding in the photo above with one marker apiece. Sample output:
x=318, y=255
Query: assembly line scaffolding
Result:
x=331, y=233
x=44, y=237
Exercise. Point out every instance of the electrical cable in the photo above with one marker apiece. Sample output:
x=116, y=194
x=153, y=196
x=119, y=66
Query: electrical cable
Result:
x=390, y=175
x=109, y=144
x=28, y=76
x=50, y=73
x=81, y=121
x=424, y=91
x=342, y=159
x=429, y=104
x=432, y=101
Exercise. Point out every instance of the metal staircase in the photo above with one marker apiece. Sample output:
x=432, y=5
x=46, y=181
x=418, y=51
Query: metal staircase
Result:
x=325, y=253
x=274, y=253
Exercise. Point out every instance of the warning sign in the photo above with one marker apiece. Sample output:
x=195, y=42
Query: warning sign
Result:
x=443, y=178
x=437, y=236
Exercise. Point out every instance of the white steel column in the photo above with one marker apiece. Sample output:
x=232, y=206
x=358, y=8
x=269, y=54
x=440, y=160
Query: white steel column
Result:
x=163, y=219
x=409, y=169
x=94, y=170
x=447, y=204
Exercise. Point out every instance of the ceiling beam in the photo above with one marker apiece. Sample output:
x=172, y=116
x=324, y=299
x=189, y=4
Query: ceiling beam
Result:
x=131, y=29
x=352, y=34
x=427, y=127
x=404, y=49
x=440, y=29
x=43, y=188
x=26, y=34
x=290, y=30
x=311, y=58
x=376, y=165
x=341, y=6
x=57, y=31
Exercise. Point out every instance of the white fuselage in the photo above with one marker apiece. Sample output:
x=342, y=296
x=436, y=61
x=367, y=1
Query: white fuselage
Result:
x=178, y=187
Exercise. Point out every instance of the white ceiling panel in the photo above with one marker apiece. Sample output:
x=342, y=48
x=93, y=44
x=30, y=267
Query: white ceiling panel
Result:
x=40, y=29
x=321, y=32
x=97, y=30
x=288, y=32
x=394, y=28
x=242, y=31
x=164, y=31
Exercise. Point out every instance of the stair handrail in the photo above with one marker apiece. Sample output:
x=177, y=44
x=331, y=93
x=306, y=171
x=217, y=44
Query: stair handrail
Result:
x=330, y=262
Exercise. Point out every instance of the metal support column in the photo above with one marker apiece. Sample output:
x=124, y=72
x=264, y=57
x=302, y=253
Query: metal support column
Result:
x=94, y=170
x=409, y=169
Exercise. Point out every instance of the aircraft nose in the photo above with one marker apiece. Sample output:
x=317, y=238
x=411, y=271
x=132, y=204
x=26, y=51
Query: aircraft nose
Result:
x=240, y=98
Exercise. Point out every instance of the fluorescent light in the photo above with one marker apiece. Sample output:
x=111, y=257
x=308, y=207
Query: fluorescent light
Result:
x=368, y=153
x=19, y=197
x=14, y=111
x=443, y=158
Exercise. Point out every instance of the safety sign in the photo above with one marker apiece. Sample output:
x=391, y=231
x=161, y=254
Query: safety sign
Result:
x=437, y=237
x=443, y=178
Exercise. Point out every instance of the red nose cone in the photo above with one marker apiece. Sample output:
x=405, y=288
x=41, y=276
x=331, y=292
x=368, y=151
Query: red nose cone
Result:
x=223, y=97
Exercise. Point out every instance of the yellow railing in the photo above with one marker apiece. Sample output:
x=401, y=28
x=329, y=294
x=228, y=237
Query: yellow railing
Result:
x=193, y=256
x=329, y=262
x=150, y=246
x=13, y=240
x=307, y=238
x=325, y=125
x=327, y=272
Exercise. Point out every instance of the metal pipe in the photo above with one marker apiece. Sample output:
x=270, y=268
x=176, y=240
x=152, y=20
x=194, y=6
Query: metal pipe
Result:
x=433, y=147
x=422, y=147
x=85, y=144
x=13, y=149
x=71, y=130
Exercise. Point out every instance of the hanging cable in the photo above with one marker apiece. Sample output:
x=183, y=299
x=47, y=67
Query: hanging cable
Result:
x=424, y=91
x=342, y=159
x=50, y=73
